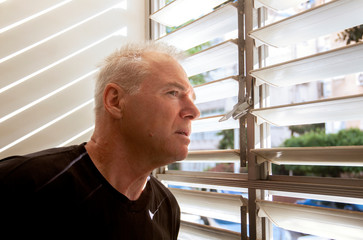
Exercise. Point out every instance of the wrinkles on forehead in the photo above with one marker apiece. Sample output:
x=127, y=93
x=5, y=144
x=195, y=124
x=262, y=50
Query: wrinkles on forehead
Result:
x=164, y=64
x=167, y=67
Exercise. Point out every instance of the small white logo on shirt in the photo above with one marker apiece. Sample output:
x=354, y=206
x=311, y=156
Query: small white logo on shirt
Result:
x=152, y=214
x=157, y=209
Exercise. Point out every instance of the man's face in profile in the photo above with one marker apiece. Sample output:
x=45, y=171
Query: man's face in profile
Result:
x=158, y=117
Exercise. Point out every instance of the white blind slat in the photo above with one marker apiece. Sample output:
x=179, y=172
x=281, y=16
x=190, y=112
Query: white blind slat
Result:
x=212, y=124
x=209, y=204
x=179, y=11
x=192, y=231
x=333, y=109
x=213, y=155
x=318, y=197
x=213, y=25
x=221, y=55
x=219, y=89
x=325, y=19
x=277, y=5
x=213, y=180
x=330, y=223
x=337, y=62
x=331, y=156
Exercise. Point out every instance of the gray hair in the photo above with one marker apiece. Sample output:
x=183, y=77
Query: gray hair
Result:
x=127, y=68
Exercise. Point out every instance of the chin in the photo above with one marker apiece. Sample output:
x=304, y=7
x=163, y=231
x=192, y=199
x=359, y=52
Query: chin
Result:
x=173, y=153
x=183, y=153
x=182, y=157
x=179, y=155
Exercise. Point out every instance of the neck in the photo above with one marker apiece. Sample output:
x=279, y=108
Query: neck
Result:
x=123, y=170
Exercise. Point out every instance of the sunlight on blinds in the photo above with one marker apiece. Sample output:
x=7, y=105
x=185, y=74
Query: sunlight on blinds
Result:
x=207, y=34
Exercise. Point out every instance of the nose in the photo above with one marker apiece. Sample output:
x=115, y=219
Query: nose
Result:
x=189, y=110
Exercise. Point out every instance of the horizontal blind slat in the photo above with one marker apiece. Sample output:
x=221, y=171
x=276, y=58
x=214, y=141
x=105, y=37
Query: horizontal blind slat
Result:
x=337, y=62
x=189, y=230
x=208, y=27
x=213, y=155
x=320, y=111
x=331, y=223
x=277, y=5
x=221, y=55
x=212, y=124
x=205, y=179
x=325, y=19
x=318, y=197
x=331, y=156
x=210, y=204
x=179, y=11
x=318, y=186
x=218, y=89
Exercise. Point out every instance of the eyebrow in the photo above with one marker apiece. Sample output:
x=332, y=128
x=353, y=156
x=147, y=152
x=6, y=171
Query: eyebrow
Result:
x=181, y=87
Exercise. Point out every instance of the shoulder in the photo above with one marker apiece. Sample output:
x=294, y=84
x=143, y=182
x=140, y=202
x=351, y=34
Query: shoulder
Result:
x=168, y=207
x=28, y=170
x=161, y=192
x=157, y=185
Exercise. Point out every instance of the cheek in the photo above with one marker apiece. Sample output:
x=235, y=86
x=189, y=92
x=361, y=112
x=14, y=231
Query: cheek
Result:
x=161, y=118
x=156, y=117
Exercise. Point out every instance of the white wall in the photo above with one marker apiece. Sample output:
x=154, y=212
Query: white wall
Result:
x=49, y=54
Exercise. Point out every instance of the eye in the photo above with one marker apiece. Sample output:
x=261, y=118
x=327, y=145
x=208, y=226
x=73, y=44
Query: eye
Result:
x=173, y=93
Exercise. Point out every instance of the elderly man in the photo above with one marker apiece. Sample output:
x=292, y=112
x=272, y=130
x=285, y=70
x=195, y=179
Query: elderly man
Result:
x=103, y=189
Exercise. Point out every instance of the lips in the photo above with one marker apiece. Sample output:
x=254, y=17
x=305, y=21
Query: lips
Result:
x=183, y=132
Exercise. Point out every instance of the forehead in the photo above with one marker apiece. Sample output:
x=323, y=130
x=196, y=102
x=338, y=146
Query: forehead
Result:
x=166, y=72
x=162, y=63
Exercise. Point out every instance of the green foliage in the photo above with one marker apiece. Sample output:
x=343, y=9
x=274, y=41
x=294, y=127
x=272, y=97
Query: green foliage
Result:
x=345, y=137
x=310, y=139
x=168, y=1
x=197, y=79
x=301, y=129
x=172, y=29
x=227, y=142
x=353, y=136
x=174, y=166
x=354, y=34
x=199, y=48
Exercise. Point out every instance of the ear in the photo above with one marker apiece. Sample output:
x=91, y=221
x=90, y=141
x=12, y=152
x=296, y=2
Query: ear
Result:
x=113, y=97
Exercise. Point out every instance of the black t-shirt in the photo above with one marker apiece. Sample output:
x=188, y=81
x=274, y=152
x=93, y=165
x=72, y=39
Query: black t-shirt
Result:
x=60, y=194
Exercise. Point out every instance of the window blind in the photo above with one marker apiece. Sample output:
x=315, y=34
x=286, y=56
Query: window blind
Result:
x=255, y=117
x=48, y=61
x=215, y=20
x=320, y=20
